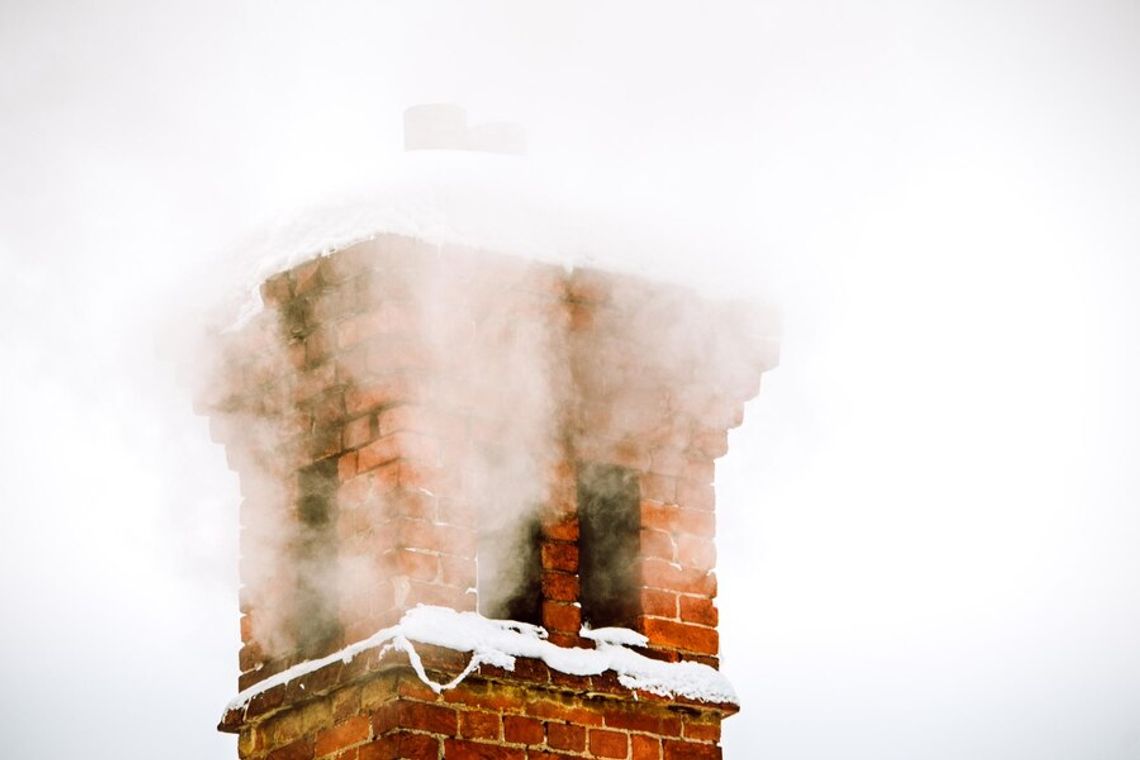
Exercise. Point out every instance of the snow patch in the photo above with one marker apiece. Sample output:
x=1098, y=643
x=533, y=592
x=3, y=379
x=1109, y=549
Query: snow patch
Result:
x=615, y=636
x=499, y=642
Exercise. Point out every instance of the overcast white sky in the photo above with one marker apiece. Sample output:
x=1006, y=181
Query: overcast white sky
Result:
x=928, y=524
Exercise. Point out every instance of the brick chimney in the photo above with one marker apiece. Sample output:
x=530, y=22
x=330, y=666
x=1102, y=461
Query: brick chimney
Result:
x=416, y=425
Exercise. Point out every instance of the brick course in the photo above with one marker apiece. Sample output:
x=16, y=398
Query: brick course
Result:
x=394, y=715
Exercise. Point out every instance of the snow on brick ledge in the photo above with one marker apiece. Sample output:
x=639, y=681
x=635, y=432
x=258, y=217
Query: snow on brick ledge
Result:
x=499, y=643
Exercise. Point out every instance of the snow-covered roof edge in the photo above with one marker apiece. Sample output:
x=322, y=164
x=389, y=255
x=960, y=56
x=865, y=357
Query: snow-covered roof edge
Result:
x=499, y=642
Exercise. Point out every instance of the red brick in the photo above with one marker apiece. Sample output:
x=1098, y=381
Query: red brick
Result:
x=697, y=609
x=700, y=471
x=674, y=519
x=646, y=747
x=633, y=720
x=656, y=515
x=327, y=409
x=701, y=731
x=589, y=285
x=250, y=656
x=479, y=725
x=562, y=530
x=357, y=432
x=367, y=489
x=581, y=316
x=399, y=445
x=389, y=354
x=277, y=289
x=459, y=513
x=413, y=688
x=655, y=487
x=696, y=495
x=497, y=697
x=420, y=419
x=417, y=565
x=682, y=636
x=266, y=700
x=417, y=746
x=561, y=617
x=456, y=749
x=352, y=731
x=302, y=749
x=696, y=522
x=668, y=462
x=658, y=603
x=670, y=725
x=424, y=717
x=378, y=392
x=564, y=640
x=335, y=303
x=388, y=318
x=710, y=443
x=657, y=543
x=384, y=748
x=382, y=451
x=690, y=751
x=306, y=277
x=607, y=682
x=404, y=417
x=560, y=587
x=659, y=574
x=314, y=381
x=697, y=552
x=520, y=730
x=608, y=743
x=560, y=556
x=414, y=505
x=319, y=345
x=457, y=571
x=421, y=534
x=246, y=628
x=530, y=669
x=559, y=711
x=346, y=466
x=323, y=443
x=346, y=703
x=566, y=736
x=342, y=265
x=442, y=596
x=440, y=481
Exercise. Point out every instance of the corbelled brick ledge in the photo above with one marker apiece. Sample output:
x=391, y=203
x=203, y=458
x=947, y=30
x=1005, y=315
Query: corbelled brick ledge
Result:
x=377, y=703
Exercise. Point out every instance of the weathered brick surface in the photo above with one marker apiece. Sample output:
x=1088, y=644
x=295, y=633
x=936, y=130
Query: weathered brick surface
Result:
x=608, y=743
x=354, y=366
x=387, y=711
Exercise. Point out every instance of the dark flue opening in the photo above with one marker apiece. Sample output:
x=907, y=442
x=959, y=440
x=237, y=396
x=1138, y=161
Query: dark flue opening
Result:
x=510, y=572
x=315, y=620
x=609, y=515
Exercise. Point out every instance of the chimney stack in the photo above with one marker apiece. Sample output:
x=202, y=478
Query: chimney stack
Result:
x=483, y=434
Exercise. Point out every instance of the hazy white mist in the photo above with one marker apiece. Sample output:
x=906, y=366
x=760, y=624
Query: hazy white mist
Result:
x=928, y=522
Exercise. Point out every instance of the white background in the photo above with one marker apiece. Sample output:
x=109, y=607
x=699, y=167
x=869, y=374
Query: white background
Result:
x=928, y=524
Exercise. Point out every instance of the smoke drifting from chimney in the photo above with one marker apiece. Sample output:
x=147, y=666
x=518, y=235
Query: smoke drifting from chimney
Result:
x=494, y=375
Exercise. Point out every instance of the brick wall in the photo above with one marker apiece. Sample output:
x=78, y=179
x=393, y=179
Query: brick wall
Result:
x=369, y=411
x=387, y=712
